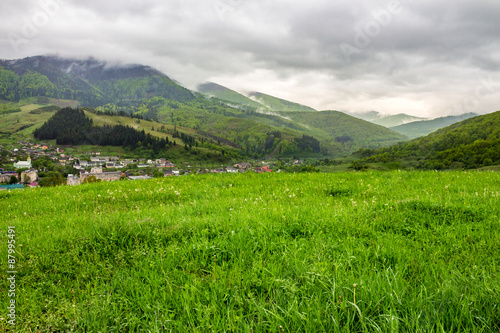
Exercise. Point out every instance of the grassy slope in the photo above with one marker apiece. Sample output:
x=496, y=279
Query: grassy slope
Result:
x=422, y=128
x=337, y=124
x=101, y=120
x=279, y=104
x=11, y=123
x=466, y=144
x=226, y=94
x=256, y=252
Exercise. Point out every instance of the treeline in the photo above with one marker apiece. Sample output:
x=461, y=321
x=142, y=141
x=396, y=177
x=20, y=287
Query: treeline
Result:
x=67, y=126
x=469, y=144
x=71, y=127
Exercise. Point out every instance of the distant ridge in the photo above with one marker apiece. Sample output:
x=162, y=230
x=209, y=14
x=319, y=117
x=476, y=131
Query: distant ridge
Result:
x=212, y=89
x=422, y=128
x=278, y=104
x=386, y=120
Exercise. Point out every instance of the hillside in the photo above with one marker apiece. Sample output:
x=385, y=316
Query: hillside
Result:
x=211, y=89
x=472, y=143
x=344, y=131
x=91, y=82
x=278, y=104
x=386, y=120
x=422, y=128
x=140, y=91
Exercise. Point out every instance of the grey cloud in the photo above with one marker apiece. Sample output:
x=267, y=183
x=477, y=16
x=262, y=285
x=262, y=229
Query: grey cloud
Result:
x=430, y=53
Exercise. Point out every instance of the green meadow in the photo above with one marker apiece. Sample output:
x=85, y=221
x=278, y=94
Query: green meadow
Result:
x=342, y=252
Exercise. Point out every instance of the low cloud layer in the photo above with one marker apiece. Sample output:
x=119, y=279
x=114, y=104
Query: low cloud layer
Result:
x=419, y=57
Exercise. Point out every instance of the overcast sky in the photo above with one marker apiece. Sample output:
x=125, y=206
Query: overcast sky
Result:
x=427, y=58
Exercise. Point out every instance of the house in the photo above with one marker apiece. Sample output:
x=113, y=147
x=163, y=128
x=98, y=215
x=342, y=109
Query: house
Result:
x=110, y=158
x=243, y=166
x=29, y=176
x=98, y=160
x=263, y=169
x=23, y=164
x=168, y=173
x=230, y=169
x=266, y=169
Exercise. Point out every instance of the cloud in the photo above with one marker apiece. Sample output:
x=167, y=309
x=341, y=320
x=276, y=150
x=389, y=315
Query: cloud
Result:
x=419, y=57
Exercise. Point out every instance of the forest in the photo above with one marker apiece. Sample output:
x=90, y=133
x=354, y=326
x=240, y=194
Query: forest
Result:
x=71, y=127
x=473, y=143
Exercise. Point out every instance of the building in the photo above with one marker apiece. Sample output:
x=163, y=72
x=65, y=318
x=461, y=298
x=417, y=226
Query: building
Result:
x=263, y=169
x=232, y=170
x=243, y=166
x=73, y=180
x=23, y=164
x=11, y=187
x=29, y=176
x=100, y=175
x=5, y=177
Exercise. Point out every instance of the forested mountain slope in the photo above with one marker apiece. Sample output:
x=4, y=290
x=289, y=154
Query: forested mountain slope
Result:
x=471, y=143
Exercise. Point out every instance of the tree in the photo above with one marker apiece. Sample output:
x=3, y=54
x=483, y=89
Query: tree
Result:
x=52, y=178
x=91, y=179
x=13, y=180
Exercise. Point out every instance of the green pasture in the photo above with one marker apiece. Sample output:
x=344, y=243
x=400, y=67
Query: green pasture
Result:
x=340, y=252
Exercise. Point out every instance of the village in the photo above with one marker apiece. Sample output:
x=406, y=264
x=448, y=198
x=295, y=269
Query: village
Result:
x=19, y=169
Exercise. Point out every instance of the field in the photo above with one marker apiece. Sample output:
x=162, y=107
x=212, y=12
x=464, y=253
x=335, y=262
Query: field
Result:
x=343, y=252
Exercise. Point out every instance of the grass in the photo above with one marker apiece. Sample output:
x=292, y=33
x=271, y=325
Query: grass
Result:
x=343, y=252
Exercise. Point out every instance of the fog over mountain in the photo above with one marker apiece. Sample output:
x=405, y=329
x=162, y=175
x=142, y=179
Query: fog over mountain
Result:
x=423, y=58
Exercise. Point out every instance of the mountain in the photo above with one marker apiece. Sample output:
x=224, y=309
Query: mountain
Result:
x=211, y=89
x=30, y=86
x=386, y=120
x=278, y=104
x=256, y=100
x=422, y=128
x=469, y=144
x=90, y=82
x=344, y=130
